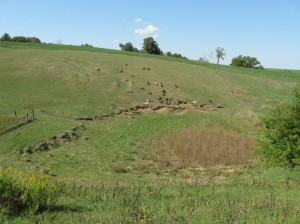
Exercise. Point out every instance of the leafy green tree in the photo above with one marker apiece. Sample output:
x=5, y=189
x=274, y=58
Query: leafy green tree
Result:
x=33, y=40
x=151, y=46
x=19, y=39
x=246, y=61
x=220, y=53
x=280, y=137
x=5, y=37
x=128, y=47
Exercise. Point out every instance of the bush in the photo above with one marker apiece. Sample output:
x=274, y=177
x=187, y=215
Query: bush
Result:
x=25, y=194
x=128, y=47
x=175, y=55
x=204, y=60
x=280, y=137
x=246, y=61
x=86, y=45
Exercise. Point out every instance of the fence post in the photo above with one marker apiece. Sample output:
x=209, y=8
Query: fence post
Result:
x=32, y=113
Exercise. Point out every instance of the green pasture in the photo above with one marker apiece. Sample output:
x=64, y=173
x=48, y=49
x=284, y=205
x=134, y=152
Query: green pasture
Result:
x=110, y=173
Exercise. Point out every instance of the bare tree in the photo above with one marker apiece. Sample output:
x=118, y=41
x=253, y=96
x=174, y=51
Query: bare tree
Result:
x=220, y=53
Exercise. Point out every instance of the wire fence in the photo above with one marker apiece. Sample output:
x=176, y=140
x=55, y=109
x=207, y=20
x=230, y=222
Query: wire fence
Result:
x=12, y=121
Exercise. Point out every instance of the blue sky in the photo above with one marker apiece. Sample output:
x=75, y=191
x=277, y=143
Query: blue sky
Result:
x=266, y=29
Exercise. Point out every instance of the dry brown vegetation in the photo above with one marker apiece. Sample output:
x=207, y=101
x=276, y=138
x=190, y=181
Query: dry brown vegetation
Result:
x=208, y=146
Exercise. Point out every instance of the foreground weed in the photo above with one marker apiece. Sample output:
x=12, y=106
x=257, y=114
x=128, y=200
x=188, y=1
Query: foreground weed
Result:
x=28, y=194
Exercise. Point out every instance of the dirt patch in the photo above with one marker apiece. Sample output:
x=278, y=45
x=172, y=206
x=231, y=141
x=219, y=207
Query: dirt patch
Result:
x=128, y=83
x=164, y=110
x=145, y=111
x=187, y=106
x=162, y=106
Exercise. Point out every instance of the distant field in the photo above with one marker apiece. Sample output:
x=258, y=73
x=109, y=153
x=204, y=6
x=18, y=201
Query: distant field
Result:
x=133, y=166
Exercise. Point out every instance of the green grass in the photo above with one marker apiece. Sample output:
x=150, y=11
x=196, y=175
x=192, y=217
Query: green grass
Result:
x=249, y=199
x=7, y=121
x=112, y=159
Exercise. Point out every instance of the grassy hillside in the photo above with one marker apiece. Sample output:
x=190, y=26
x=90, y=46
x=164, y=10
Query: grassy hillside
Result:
x=129, y=153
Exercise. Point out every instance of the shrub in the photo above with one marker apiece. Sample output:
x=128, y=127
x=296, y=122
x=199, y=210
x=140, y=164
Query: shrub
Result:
x=128, y=47
x=246, y=61
x=26, y=194
x=175, y=55
x=86, y=45
x=204, y=60
x=280, y=136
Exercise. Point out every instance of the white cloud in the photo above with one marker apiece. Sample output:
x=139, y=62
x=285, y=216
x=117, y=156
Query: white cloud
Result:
x=115, y=41
x=138, y=20
x=147, y=30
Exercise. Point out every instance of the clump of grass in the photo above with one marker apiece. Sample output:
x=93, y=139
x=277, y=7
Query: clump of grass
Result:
x=208, y=146
x=119, y=168
x=26, y=194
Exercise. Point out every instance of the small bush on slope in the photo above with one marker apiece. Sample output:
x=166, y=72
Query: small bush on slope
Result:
x=280, y=139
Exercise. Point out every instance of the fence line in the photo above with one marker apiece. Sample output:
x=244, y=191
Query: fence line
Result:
x=14, y=121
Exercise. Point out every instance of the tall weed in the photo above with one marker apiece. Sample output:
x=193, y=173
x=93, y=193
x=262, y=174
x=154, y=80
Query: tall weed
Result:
x=28, y=194
x=207, y=146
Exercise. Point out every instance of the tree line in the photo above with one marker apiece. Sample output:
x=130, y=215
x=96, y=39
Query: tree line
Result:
x=7, y=37
x=150, y=46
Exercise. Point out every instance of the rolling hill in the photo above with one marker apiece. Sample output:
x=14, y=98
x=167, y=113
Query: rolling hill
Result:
x=92, y=127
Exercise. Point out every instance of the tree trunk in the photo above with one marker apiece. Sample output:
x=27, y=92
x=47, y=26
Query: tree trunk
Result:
x=218, y=60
